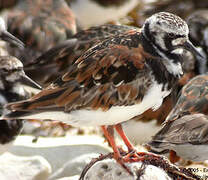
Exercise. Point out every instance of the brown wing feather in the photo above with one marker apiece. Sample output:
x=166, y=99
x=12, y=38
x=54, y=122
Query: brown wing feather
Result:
x=114, y=72
x=193, y=98
x=188, y=129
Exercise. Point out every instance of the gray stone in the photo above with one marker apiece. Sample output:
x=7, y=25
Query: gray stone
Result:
x=23, y=168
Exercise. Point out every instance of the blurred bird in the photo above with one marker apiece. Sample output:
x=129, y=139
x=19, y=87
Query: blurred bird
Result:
x=192, y=99
x=97, y=12
x=198, y=24
x=184, y=128
x=40, y=25
x=115, y=80
x=184, y=137
x=12, y=78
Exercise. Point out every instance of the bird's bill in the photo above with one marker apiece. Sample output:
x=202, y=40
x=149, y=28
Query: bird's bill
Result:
x=8, y=37
x=190, y=47
x=29, y=82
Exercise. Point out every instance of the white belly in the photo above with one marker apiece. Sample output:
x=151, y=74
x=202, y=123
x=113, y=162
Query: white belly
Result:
x=116, y=114
x=90, y=13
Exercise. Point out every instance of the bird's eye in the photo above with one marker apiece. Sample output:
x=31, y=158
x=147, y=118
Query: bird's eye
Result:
x=170, y=34
x=4, y=70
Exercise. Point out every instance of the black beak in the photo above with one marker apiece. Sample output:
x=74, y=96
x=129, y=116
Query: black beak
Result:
x=6, y=36
x=190, y=47
x=29, y=82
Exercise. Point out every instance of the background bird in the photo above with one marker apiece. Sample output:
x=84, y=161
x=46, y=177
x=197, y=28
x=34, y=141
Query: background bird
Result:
x=12, y=79
x=187, y=136
x=40, y=25
x=97, y=12
x=192, y=100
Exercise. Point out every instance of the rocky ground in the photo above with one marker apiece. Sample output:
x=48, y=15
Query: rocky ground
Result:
x=55, y=158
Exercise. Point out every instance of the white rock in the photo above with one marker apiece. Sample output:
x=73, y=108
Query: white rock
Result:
x=23, y=168
x=108, y=169
x=70, y=178
x=74, y=166
x=66, y=155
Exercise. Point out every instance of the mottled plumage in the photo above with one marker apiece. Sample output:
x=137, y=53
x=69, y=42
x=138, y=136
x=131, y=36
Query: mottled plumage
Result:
x=12, y=78
x=40, y=25
x=185, y=130
x=115, y=80
x=193, y=98
x=198, y=24
x=57, y=60
x=116, y=72
x=187, y=136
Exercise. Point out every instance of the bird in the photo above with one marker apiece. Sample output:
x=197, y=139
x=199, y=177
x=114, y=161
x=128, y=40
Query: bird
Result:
x=55, y=61
x=192, y=98
x=186, y=136
x=97, y=12
x=114, y=81
x=12, y=79
x=186, y=123
x=197, y=22
x=40, y=25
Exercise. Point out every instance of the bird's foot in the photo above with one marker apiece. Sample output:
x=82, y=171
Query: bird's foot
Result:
x=134, y=156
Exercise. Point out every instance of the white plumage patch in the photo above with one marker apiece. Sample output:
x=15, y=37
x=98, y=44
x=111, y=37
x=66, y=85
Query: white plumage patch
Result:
x=116, y=114
x=89, y=13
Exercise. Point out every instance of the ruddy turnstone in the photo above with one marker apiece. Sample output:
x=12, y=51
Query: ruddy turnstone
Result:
x=115, y=80
x=182, y=123
x=198, y=23
x=12, y=79
x=96, y=12
x=187, y=136
x=57, y=60
x=192, y=99
x=40, y=25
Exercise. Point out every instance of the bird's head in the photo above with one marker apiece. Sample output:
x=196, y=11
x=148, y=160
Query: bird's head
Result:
x=168, y=34
x=11, y=71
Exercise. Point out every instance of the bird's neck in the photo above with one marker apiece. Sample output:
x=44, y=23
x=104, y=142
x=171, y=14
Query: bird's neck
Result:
x=14, y=90
x=171, y=61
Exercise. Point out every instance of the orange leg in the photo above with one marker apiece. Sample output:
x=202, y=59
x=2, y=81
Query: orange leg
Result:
x=173, y=157
x=108, y=132
x=133, y=155
x=120, y=131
